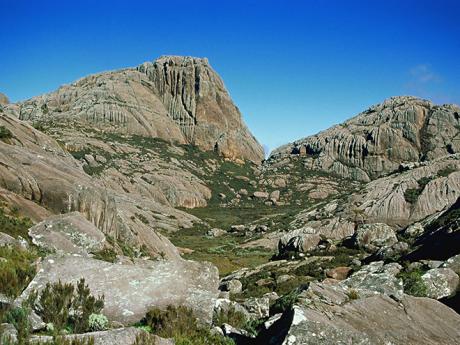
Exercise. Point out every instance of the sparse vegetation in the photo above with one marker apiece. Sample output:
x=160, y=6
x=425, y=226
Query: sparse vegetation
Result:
x=16, y=270
x=180, y=324
x=5, y=133
x=413, y=283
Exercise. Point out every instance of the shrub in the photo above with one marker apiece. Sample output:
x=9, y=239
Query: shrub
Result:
x=413, y=283
x=97, y=322
x=230, y=316
x=180, y=324
x=66, y=307
x=16, y=271
x=5, y=133
x=106, y=254
x=352, y=294
x=19, y=318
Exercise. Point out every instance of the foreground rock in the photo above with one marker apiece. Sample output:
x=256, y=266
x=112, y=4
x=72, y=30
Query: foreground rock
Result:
x=326, y=315
x=130, y=291
x=70, y=233
x=126, y=336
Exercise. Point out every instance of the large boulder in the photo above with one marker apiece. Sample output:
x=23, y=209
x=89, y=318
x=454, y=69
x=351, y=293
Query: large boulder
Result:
x=372, y=237
x=70, y=233
x=325, y=315
x=299, y=240
x=440, y=282
x=453, y=263
x=126, y=336
x=376, y=277
x=130, y=290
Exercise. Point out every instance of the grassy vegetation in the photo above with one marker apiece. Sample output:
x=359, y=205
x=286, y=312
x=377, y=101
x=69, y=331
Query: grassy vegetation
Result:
x=224, y=252
x=180, y=324
x=12, y=224
x=411, y=194
x=413, y=283
x=5, y=133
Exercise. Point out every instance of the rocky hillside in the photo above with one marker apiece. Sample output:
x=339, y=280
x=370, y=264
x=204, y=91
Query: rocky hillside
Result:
x=134, y=210
x=178, y=99
x=376, y=142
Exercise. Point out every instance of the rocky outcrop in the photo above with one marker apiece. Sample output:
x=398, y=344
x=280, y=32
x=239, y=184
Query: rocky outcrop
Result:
x=70, y=233
x=3, y=99
x=326, y=315
x=131, y=290
x=35, y=167
x=376, y=142
x=178, y=99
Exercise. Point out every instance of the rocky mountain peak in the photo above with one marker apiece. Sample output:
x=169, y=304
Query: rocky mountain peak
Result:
x=3, y=99
x=374, y=143
x=178, y=99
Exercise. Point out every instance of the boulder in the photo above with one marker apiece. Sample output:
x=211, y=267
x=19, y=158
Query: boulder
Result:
x=7, y=240
x=299, y=240
x=8, y=334
x=260, y=195
x=155, y=284
x=371, y=237
x=258, y=308
x=233, y=286
x=275, y=195
x=338, y=273
x=440, y=282
x=125, y=336
x=393, y=251
x=372, y=320
x=215, y=232
x=70, y=233
x=376, y=277
x=453, y=263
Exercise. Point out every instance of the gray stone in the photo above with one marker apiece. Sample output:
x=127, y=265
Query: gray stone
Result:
x=125, y=336
x=7, y=240
x=233, y=286
x=215, y=232
x=371, y=237
x=299, y=240
x=453, y=263
x=129, y=290
x=440, y=282
x=260, y=195
x=258, y=308
x=69, y=233
x=376, y=278
x=8, y=334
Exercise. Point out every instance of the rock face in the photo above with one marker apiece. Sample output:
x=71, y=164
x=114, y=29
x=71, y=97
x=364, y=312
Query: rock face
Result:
x=375, y=142
x=325, y=315
x=130, y=290
x=34, y=167
x=175, y=98
x=299, y=240
x=3, y=99
x=70, y=233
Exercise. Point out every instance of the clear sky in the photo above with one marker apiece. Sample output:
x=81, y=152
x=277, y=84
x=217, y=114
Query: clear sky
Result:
x=292, y=67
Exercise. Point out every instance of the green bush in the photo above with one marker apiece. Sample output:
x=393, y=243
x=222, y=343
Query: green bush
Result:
x=65, y=306
x=97, y=322
x=16, y=271
x=5, y=133
x=106, y=254
x=230, y=316
x=19, y=318
x=413, y=283
x=180, y=324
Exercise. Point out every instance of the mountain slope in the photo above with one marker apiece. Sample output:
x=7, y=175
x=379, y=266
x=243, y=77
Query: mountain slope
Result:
x=178, y=99
x=374, y=143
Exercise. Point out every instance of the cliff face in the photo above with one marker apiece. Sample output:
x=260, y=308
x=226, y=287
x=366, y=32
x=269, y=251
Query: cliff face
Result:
x=179, y=99
x=375, y=142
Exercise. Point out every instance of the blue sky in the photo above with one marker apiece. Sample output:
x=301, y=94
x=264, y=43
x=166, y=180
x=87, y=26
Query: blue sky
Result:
x=292, y=67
